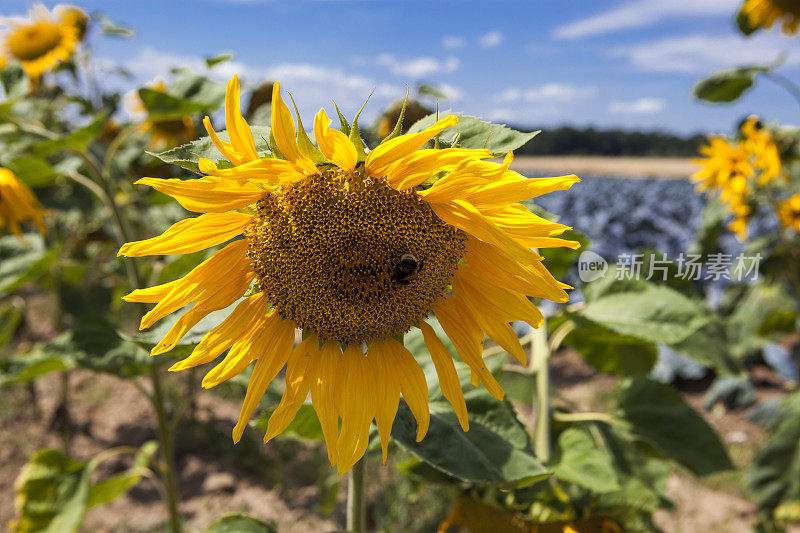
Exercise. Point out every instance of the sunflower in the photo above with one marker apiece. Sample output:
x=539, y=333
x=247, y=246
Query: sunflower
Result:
x=18, y=204
x=41, y=42
x=164, y=133
x=759, y=144
x=764, y=13
x=354, y=250
x=73, y=16
x=789, y=212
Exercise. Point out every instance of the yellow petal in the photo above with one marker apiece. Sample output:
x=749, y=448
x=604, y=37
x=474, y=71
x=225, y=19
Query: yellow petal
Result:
x=150, y=295
x=264, y=371
x=358, y=396
x=284, y=133
x=388, y=394
x=225, y=267
x=446, y=370
x=238, y=131
x=412, y=384
x=504, y=304
x=300, y=373
x=221, y=337
x=207, y=195
x=510, y=191
x=468, y=340
x=323, y=395
x=190, y=235
x=334, y=144
x=420, y=165
x=260, y=171
x=388, y=152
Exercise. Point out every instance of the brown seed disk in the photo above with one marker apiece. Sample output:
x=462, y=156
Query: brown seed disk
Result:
x=326, y=252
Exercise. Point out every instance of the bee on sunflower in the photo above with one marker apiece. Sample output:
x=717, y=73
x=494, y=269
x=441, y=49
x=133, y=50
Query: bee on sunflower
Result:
x=354, y=249
x=45, y=39
x=18, y=204
x=764, y=14
x=731, y=167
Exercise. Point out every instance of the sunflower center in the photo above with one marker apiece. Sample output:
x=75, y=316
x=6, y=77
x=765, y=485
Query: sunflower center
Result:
x=32, y=42
x=349, y=258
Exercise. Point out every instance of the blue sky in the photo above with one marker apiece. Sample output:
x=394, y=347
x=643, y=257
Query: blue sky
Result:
x=542, y=63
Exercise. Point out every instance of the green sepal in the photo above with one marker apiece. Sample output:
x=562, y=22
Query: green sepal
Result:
x=355, y=135
x=273, y=147
x=304, y=144
x=398, y=127
x=344, y=125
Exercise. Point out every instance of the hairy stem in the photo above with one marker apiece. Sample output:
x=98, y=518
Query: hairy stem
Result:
x=356, y=508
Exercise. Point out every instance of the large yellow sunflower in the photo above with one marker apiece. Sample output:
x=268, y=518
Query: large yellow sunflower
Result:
x=764, y=13
x=41, y=42
x=353, y=249
x=18, y=204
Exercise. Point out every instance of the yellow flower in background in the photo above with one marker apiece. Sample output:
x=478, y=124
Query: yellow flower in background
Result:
x=164, y=133
x=730, y=166
x=764, y=13
x=40, y=42
x=73, y=16
x=18, y=204
x=789, y=212
x=350, y=249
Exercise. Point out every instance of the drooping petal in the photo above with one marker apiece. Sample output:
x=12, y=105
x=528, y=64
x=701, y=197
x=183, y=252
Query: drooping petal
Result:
x=358, y=396
x=388, y=152
x=323, y=395
x=413, y=385
x=190, y=235
x=221, y=337
x=207, y=195
x=388, y=393
x=270, y=361
x=334, y=144
x=446, y=370
x=226, y=269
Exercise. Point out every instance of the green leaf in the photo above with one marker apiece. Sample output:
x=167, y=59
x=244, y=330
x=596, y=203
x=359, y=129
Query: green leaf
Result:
x=109, y=27
x=611, y=352
x=712, y=226
x=495, y=450
x=23, y=369
x=472, y=132
x=33, y=171
x=305, y=424
x=16, y=83
x=728, y=85
x=52, y=493
x=188, y=155
x=560, y=261
x=77, y=140
x=239, y=523
x=581, y=460
x=773, y=477
x=654, y=314
x=161, y=105
x=747, y=321
x=112, y=488
x=708, y=346
x=659, y=415
x=212, y=61
x=23, y=260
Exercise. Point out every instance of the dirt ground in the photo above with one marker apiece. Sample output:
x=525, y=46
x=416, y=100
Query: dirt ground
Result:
x=626, y=167
x=281, y=483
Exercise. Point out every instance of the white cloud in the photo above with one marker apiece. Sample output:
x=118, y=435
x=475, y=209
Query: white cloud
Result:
x=550, y=92
x=419, y=66
x=491, y=39
x=453, y=42
x=701, y=53
x=642, y=106
x=641, y=13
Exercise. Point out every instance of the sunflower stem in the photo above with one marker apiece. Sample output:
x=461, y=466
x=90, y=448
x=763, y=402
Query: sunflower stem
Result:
x=165, y=437
x=356, y=508
x=541, y=364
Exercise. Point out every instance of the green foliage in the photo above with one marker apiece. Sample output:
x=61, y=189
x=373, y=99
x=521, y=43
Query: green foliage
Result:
x=728, y=85
x=472, y=132
x=305, y=424
x=659, y=415
x=239, y=523
x=496, y=449
x=579, y=460
x=23, y=260
x=774, y=475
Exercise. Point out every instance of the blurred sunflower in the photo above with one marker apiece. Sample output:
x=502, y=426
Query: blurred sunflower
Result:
x=730, y=166
x=351, y=249
x=40, y=42
x=18, y=204
x=789, y=212
x=164, y=133
x=73, y=16
x=764, y=13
